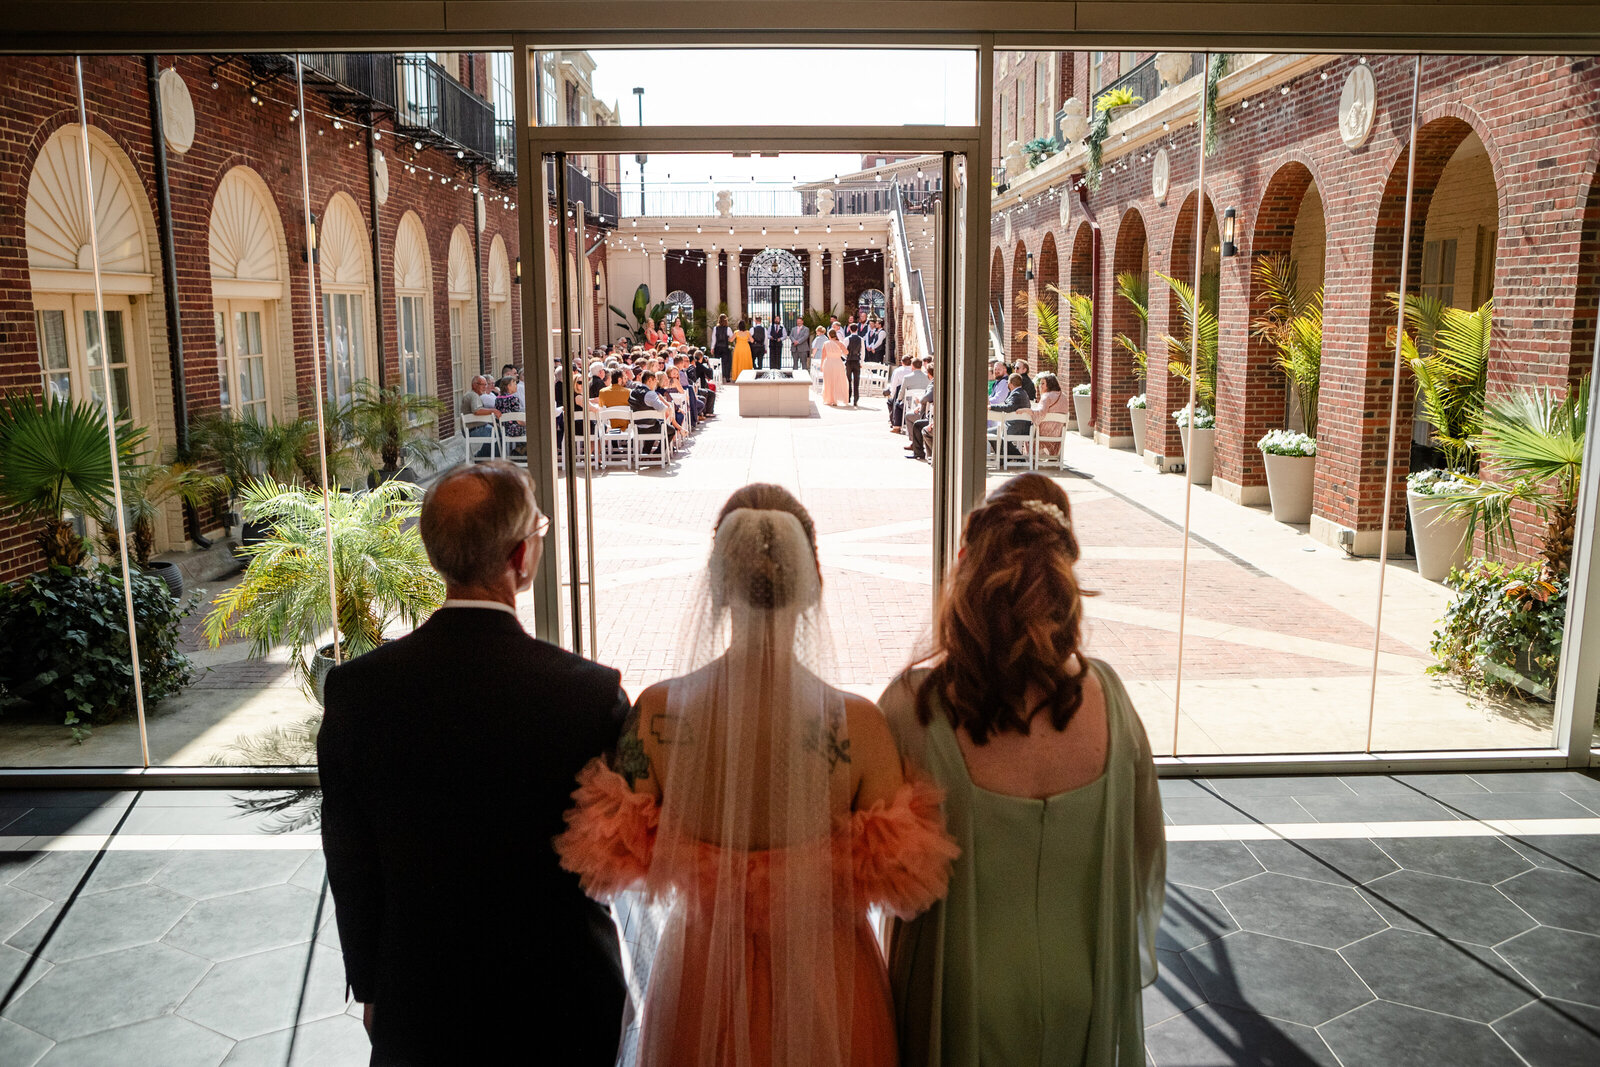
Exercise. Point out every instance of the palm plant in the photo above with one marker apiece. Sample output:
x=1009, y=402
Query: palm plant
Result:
x=285, y=450
x=1292, y=323
x=392, y=426
x=1181, y=352
x=1080, y=330
x=381, y=573
x=1133, y=287
x=146, y=488
x=1047, y=338
x=641, y=313
x=227, y=442
x=1447, y=350
x=55, y=457
x=1534, y=443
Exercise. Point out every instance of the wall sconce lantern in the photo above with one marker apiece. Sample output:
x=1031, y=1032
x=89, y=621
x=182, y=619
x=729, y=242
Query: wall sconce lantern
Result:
x=310, y=253
x=518, y=276
x=1229, y=219
x=597, y=281
x=1028, y=271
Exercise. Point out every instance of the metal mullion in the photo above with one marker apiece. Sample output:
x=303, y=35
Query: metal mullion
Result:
x=569, y=393
x=611, y=140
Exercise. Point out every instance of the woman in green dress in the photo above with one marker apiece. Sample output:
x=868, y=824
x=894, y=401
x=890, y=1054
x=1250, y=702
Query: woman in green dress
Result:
x=1038, y=954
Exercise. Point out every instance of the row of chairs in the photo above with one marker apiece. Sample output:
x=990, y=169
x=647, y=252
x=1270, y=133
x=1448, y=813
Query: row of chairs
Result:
x=626, y=444
x=1009, y=447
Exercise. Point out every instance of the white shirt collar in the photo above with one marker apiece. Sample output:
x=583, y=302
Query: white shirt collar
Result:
x=493, y=605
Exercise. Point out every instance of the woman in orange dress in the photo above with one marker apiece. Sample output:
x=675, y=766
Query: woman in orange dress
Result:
x=762, y=812
x=741, y=350
x=835, y=386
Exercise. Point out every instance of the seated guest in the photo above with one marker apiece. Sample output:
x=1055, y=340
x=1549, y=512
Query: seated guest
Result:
x=999, y=384
x=615, y=395
x=479, y=400
x=508, y=399
x=674, y=387
x=1027, y=381
x=1016, y=399
x=643, y=397
x=896, y=404
x=678, y=423
x=919, y=421
x=597, y=377
x=1052, y=401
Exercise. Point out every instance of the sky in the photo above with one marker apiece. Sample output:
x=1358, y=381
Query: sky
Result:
x=743, y=87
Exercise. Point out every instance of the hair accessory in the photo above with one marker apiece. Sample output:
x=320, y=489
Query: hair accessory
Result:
x=1050, y=510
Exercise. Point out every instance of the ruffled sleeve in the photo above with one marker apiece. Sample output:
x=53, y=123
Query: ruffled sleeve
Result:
x=610, y=835
x=900, y=851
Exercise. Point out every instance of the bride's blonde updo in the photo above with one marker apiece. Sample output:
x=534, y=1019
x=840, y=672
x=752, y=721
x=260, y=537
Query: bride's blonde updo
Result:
x=766, y=570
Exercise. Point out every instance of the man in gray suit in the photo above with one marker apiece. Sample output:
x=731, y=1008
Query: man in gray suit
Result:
x=800, y=345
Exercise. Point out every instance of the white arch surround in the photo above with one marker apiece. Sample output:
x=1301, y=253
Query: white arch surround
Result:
x=343, y=254
x=245, y=238
x=499, y=271
x=500, y=302
x=57, y=217
x=458, y=270
x=411, y=256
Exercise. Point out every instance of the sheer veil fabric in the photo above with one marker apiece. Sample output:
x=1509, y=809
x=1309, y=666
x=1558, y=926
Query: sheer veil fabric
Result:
x=754, y=963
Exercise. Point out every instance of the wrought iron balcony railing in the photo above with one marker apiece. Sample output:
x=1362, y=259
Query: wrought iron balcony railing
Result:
x=427, y=104
x=599, y=201
x=1144, y=81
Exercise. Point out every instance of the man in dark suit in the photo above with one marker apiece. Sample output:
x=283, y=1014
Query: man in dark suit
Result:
x=775, y=338
x=758, y=344
x=462, y=936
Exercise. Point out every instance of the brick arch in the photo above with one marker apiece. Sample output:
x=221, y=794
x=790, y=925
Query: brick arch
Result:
x=1586, y=306
x=1080, y=279
x=1180, y=265
x=997, y=288
x=1130, y=255
x=1018, y=303
x=1048, y=273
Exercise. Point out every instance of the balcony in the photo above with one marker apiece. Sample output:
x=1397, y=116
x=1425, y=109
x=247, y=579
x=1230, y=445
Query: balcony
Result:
x=1145, y=83
x=599, y=201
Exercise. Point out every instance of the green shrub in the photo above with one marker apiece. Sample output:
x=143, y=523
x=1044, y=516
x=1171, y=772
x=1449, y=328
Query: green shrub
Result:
x=1503, y=627
x=64, y=643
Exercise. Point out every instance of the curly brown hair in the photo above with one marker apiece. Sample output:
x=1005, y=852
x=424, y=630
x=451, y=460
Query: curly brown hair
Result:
x=1011, y=616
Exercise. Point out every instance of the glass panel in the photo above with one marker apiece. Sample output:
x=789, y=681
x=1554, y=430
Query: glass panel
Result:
x=115, y=351
x=224, y=373
x=53, y=354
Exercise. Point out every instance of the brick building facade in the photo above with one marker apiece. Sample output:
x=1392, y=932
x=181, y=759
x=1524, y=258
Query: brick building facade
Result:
x=447, y=239
x=1505, y=204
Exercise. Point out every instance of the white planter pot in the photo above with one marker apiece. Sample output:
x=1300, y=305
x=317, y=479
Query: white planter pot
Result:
x=1289, y=481
x=1201, y=455
x=1138, y=417
x=1080, y=407
x=1441, y=542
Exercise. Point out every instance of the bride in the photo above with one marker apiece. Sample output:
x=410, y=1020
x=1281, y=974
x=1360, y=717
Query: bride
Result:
x=762, y=812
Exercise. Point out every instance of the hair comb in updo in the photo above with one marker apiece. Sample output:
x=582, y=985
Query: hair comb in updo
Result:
x=1050, y=510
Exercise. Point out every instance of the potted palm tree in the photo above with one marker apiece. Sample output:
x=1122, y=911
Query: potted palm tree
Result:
x=1291, y=323
x=1199, y=432
x=392, y=427
x=55, y=459
x=1081, y=339
x=1133, y=288
x=146, y=488
x=1447, y=351
x=381, y=575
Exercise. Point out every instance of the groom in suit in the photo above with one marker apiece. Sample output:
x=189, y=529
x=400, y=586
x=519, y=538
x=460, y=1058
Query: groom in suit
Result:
x=758, y=343
x=462, y=936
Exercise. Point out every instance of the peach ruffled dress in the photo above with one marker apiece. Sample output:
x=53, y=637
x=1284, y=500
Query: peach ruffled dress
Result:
x=895, y=855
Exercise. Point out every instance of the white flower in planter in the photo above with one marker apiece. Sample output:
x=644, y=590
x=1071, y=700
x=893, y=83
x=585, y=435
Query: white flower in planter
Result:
x=1137, y=403
x=1203, y=418
x=1081, y=390
x=1287, y=443
x=1439, y=482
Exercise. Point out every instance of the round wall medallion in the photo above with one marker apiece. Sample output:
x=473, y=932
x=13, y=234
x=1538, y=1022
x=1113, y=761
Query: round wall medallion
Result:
x=1357, y=105
x=1160, y=176
x=483, y=212
x=380, y=177
x=1008, y=231
x=1066, y=206
x=177, y=112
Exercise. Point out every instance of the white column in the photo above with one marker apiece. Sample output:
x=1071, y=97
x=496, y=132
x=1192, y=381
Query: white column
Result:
x=814, y=281
x=836, y=281
x=712, y=288
x=735, y=288
x=658, y=277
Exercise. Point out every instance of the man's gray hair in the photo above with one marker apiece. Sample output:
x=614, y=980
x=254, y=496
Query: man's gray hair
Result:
x=473, y=516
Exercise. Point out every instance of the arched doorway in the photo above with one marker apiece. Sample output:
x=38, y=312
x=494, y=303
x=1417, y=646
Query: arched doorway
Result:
x=344, y=259
x=997, y=305
x=1048, y=275
x=1130, y=339
x=775, y=286
x=1080, y=283
x=413, y=289
x=249, y=269
x=500, y=333
x=680, y=305
x=872, y=302
x=461, y=292
x=1020, y=302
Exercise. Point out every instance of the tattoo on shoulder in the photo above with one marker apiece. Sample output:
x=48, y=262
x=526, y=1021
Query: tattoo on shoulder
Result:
x=829, y=741
x=633, y=762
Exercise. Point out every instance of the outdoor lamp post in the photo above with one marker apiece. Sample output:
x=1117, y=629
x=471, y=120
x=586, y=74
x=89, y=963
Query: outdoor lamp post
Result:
x=518, y=277
x=1028, y=269
x=638, y=91
x=1229, y=217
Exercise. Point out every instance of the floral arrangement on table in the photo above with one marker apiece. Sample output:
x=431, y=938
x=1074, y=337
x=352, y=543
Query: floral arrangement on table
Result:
x=1137, y=403
x=1287, y=443
x=1203, y=419
x=1081, y=389
x=1440, y=481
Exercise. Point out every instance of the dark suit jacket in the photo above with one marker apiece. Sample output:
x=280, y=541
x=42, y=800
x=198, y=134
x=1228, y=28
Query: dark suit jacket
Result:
x=447, y=760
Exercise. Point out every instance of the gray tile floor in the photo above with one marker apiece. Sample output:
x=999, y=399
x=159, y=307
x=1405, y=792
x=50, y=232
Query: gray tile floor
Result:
x=1403, y=947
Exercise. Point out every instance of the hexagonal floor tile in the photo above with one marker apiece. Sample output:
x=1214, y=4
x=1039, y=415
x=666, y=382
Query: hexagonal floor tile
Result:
x=102, y=922
x=17, y=909
x=1551, y=1032
x=1173, y=992
x=1558, y=962
x=1342, y=862
x=1209, y=864
x=313, y=873
x=106, y=991
x=213, y=874
x=1382, y=1034
x=19, y=1046
x=57, y=874
x=1476, y=859
x=1557, y=898
x=1213, y=1034
x=269, y=991
x=241, y=924
x=1448, y=907
x=1192, y=917
x=1281, y=979
x=337, y=1042
x=1301, y=910
x=16, y=964
x=1428, y=972
x=168, y=1040
x=1561, y=852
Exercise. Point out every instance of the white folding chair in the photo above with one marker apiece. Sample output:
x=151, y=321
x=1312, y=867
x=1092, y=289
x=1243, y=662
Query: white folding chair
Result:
x=508, y=441
x=1044, y=458
x=681, y=402
x=996, y=436
x=483, y=447
x=613, y=436
x=1006, y=438
x=643, y=435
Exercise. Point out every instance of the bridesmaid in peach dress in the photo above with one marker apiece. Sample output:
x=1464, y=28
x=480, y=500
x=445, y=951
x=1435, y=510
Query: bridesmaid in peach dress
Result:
x=835, y=386
x=761, y=812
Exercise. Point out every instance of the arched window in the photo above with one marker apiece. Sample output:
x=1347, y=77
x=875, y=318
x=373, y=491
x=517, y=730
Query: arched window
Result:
x=61, y=268
x=499, y=304
x=413, y=294
x=344, y=272
x=776, y=286
x=680, y=305
x=248, y=270
x=462, y=292
x=872, y=302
